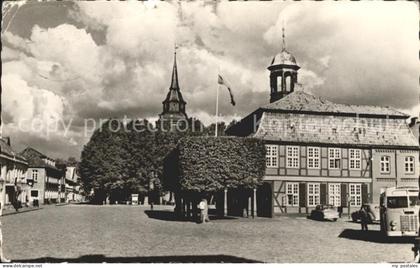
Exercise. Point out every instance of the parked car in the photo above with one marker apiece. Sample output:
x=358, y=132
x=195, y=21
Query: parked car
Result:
x=325, y=212
x=373, y=213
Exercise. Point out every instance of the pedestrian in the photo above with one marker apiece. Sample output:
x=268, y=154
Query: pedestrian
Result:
x=340, y=211
x=151, y=204
x=2, y=258
x=364, y=217
x=204, y=211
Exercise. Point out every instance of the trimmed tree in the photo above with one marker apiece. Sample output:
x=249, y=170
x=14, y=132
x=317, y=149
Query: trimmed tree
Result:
x=208, y=164
x=103, y=167
x=203, y=165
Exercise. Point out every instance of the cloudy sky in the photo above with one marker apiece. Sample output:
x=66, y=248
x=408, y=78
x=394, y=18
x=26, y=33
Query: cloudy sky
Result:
x=68, y=62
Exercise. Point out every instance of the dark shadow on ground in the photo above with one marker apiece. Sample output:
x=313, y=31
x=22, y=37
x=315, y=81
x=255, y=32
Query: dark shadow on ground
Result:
x=148, y=259
x=19, y=212
x=166, y=215
x=163, y=215
x=85, y=203
x=309, y=217
x=374, y=236
x=358, y=222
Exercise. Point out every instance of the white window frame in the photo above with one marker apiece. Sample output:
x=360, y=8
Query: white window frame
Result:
x=334, y=194
x=313, y=157
x=292, y=190
x=272, y=156
x=355, y=159
x=314, y=194
x=355, y=194
x=409, y=164
x=292, y=156
x=334, y=154
x=35, y=175
x=385, y=164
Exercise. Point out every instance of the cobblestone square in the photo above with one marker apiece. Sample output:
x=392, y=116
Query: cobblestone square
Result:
x=120, y=233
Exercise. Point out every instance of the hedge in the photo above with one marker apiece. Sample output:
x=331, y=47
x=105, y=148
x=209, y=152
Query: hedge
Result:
x=209, y=164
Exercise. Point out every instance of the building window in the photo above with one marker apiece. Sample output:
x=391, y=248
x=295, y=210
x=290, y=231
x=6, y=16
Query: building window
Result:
x=334, y=194
x=271, y=157
x=355, y=159
x=313, y=194
x=313, y=157
x=385, y=162
x=355, y=194
x=292, y=156
x=35, y=175
x=409, y=164
x=292, y=193
x=334, y=158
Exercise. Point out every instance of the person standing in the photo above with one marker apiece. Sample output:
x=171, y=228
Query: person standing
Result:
x=364, y=218
x=204, y=211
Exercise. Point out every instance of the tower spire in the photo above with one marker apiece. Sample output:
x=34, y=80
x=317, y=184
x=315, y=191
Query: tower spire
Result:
x=283, y=38
x=174, y=81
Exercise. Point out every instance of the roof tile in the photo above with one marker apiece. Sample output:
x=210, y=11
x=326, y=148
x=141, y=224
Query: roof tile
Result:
x=305, y=102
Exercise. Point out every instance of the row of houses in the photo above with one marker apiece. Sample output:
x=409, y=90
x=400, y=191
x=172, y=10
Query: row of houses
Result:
x=31, y=177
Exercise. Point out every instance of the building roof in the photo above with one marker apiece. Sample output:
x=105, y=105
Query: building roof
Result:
x=340, y=130
x=301, y=117
x=301, y=101
x=174, y=94
x=284, y=58
x=6, y=149
x=36, y=158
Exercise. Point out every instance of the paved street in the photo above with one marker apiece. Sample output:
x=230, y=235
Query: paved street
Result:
x=127, y=234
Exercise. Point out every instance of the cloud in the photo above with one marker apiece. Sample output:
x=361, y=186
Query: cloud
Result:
x=110, y=59
x=365, y=52
x=25, y=103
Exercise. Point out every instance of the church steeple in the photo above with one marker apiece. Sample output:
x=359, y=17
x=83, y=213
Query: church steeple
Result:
x=174, y=104
x=174, y=81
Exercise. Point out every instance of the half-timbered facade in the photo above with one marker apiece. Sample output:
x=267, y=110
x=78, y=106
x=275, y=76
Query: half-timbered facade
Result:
x=320, y=152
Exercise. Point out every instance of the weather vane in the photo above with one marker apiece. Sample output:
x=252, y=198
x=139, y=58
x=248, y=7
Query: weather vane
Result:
x=283, y=37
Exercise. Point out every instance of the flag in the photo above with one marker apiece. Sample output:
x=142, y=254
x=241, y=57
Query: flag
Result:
x=220, y=81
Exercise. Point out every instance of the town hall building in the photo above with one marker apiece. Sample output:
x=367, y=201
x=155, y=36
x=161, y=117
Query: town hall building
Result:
x=321, y=152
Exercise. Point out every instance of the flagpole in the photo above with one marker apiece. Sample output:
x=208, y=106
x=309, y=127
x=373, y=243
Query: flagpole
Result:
x=217, y=108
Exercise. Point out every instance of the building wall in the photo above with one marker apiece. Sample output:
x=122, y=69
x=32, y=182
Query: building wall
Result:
x=12, y=172
x=325, y=177
x=279, y=190
x=397, y=175
x=323, y=171
x=38, y=185
x=52, y=189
